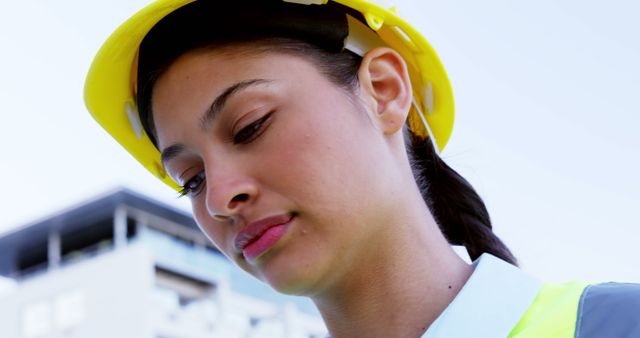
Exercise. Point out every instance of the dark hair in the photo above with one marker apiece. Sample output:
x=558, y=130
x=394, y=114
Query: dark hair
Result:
x=457, y=208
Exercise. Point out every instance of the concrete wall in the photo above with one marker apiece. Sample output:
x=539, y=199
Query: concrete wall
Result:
x=102, y=297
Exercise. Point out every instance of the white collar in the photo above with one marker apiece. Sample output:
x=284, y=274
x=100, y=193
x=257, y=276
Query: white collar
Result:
x=490, y=304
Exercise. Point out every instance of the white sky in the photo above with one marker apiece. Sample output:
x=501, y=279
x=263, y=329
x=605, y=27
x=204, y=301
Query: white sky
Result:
x=546, y=129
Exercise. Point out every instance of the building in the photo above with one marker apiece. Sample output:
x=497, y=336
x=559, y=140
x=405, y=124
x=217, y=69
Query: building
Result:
x=124, y=265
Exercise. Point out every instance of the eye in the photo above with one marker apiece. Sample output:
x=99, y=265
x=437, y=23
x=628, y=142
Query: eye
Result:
x=193, y=186
x=252, y=131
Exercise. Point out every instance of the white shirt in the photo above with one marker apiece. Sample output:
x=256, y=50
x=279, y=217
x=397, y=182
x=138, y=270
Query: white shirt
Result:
x=490, y=304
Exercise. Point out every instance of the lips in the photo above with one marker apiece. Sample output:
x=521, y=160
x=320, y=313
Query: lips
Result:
x=258, y=237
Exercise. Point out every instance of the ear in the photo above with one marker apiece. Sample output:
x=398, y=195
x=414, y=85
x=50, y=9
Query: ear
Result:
x=386, y=88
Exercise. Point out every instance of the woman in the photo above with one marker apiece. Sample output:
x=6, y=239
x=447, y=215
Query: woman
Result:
x=307, y=138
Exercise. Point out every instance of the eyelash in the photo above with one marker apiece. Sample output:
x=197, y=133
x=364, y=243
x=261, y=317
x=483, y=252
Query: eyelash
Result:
x=249, y=133
x=189, y=189
x=194, y=185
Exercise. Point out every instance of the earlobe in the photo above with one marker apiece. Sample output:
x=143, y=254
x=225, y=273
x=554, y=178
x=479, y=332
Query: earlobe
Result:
x=386, y=87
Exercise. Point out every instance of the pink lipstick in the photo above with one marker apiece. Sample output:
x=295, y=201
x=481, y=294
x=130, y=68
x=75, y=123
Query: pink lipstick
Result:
x=259, y=236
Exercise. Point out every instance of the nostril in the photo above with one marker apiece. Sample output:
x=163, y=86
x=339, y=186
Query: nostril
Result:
x=240, y=198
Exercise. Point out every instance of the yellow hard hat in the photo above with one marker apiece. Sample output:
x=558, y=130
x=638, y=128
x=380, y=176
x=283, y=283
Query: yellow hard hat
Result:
x=111, y=84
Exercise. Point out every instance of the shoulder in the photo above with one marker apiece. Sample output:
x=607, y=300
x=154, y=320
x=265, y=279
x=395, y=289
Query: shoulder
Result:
x=609, y=310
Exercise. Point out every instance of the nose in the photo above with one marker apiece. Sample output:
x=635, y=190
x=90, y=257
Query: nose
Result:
x=228, y=192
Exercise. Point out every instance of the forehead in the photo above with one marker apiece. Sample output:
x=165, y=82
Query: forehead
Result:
x=221, y=67
x=207, y=72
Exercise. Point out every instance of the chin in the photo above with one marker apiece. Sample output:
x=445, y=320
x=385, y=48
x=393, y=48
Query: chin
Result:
x=289, y=277
x=293, y=287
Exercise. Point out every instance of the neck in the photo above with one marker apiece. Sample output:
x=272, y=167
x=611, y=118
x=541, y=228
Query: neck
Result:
x=398, y=288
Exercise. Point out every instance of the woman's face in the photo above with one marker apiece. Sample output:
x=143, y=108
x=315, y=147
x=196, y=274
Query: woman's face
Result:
x=287, y=174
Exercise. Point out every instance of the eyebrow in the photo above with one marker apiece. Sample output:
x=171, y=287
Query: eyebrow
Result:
x=171, y=152
x=220, y=101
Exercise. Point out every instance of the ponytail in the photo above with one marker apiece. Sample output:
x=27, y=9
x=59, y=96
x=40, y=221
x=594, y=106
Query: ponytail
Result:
x=457, y=208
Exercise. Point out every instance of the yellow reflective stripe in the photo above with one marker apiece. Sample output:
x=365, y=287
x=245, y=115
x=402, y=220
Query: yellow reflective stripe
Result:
x=553, y=312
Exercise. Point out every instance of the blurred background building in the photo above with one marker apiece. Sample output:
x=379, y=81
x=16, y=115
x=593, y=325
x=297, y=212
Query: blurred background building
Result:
x=124, y=265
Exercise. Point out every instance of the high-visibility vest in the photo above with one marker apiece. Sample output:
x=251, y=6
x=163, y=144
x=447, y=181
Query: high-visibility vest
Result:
x=579, y=310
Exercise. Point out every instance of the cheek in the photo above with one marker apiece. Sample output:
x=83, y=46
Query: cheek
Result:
x=293, y=160
x=319, y=159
